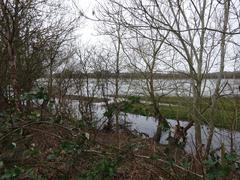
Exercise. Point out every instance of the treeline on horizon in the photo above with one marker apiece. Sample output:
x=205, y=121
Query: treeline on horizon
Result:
x=141, y=75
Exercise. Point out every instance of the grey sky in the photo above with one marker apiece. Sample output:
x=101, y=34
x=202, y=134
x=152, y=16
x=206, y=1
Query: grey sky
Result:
x=87, y=32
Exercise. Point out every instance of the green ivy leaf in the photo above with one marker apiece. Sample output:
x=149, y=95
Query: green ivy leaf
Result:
x=231, y=157
x=12, y=173
x=210, y=163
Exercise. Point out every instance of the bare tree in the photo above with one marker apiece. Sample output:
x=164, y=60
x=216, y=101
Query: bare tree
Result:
x=194, y=36
x=27, y=34
x=150, y=52
x=86, y=88
x=109, y=16
x=216, y=94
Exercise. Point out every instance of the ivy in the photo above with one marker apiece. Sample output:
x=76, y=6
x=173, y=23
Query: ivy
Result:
x=104, y=169
x=12, y=173
x=217, y=168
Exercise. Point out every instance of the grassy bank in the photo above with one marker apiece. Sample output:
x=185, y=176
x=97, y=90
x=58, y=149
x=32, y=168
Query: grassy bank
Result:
x=227, y=109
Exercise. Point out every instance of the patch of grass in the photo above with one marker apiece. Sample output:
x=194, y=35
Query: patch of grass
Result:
x=168, y=111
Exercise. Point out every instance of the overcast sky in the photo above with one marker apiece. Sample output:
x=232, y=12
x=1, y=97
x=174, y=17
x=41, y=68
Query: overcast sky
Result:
x=87, y=32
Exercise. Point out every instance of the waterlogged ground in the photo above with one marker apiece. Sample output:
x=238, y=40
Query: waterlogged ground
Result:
x=147, y=125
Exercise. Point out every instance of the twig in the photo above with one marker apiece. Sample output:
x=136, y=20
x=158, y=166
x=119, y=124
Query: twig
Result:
x=29, y=124
x=147, y=157
x=45, y=132
x=164, y=161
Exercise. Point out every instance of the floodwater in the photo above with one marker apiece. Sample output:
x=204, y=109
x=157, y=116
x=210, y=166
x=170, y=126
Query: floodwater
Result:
x=177, y=87
x=148, y=125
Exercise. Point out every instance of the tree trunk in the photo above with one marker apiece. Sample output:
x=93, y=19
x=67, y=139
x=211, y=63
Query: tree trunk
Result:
x=220, y=75
x=158, y=133
x=196, y=117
